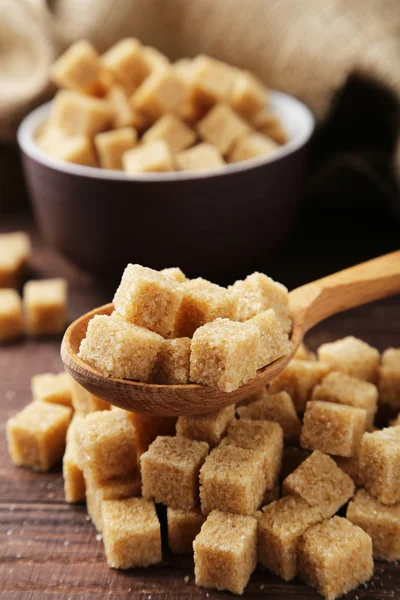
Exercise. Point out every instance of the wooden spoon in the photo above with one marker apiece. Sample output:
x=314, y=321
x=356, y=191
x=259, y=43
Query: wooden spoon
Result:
x=309, y=305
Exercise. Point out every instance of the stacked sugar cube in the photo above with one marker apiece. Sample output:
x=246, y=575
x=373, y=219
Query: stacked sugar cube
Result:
x=42, y=310
x=171, y=330
x=257, y=483
x=131, y=109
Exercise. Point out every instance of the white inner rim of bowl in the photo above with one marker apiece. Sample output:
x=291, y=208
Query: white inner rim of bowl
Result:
x=296, y=118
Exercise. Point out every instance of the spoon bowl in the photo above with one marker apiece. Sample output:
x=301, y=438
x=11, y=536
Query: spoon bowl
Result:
x=149, y=398
x=309, y=305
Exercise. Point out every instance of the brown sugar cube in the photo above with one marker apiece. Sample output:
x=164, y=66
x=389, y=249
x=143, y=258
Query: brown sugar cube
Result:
x=209, y=428
x=248, y=95
x=335, y=557
x=83, y=402
x=227, y=542
x=380, y=522
x=15, y=250
x=270, y=125
x=78, y=115
x=264, y=437
x=202, y=302
x=149, y=299
x=304, y=353
x=148, y=158
x=173, y=131
x=11, y=320
x=176, y=274
x=278, y=408
x=332, y=428
x=210, y=81
x=45, y=306
x=121, y=107
x=190, y=110
x=74, y=482
x=148, y=428
x=380, y=464
x=293, y=457
x=344, y=389
x=320, y=482
x=173, y=362
x=224, y=354
x=257, y=293
x=36, y=435
x=50, y=387
x=351, y=466
x=77, y=149
x=274, y=341
x=111, y=145
x=279, y=530
x=154, y=58
x=252, y=146
x=118, y=488
x=162, y=92
x=131, y=533
x=125, y=61
x=352, y=356
x=389, y=378
x=230, y=480
x=78, y=68
x=183, y=527
x=299, y=379
x=119, y=349
x=170, y=470
x=106, y=446
x=202, y=156
x=222, y=128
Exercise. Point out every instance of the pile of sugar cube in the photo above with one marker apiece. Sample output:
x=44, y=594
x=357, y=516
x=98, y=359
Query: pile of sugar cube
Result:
x=131, y=109
x=168, y=329
x=259, y=483
x=42, y=310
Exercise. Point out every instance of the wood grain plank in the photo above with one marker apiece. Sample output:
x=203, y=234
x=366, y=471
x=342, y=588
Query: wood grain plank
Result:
x=51, y=550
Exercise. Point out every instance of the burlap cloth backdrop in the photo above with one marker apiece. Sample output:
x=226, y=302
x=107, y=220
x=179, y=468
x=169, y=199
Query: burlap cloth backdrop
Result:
x=305, y=47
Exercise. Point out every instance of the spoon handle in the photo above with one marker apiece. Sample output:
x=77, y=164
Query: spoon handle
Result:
x=316, y=301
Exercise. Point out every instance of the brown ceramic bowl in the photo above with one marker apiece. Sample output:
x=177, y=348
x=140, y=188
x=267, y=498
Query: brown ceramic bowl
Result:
x=217, y=224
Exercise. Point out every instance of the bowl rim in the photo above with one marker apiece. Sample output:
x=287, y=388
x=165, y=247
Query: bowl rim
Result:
x=28, y=126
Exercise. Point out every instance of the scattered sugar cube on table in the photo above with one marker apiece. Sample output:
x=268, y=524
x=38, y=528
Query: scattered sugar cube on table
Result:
x=106, y=446
x=279, y=530
x=170, y=470
x=231, y=480
x=183, y=527
x=36, y=435
x=45, y=306
x=333, y=428
x=210, y=428
x=228, y=541
x=15, y=251
x=335, y=557
x=320, y=482
x=380, y=464
x=131, y=533
x=352, y=356
x=11, y=317
x=264, y=437
x=380, y=522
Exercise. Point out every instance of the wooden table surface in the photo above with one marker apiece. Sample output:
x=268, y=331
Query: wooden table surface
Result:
x=49, y=549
